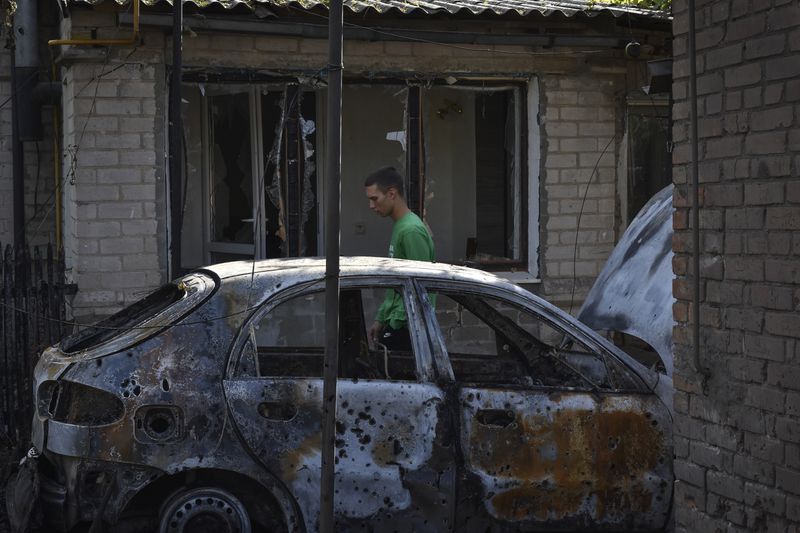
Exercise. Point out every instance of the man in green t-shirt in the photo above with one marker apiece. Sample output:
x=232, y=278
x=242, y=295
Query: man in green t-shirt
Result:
x=411, y=239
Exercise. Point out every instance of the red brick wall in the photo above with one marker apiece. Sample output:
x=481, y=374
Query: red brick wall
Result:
x=737, y=434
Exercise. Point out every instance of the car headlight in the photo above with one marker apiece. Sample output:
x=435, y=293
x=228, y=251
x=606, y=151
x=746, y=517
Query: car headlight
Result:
x=75, y=403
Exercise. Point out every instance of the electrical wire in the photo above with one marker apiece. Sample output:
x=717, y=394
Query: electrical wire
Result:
x=72, y=150
x=22, y=86
x=578, y=226
x=125, y=329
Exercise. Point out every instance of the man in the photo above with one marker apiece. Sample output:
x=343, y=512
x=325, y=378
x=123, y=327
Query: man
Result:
x=410, y=240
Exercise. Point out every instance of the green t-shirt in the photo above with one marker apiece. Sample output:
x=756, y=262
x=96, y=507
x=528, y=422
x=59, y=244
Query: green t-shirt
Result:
x=410, y=240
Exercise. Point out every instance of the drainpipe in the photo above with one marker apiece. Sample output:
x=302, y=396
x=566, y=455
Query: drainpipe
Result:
x=175, y=138
x=695, y=193
x=332, y=235
x=17, y=161
x=24, y=65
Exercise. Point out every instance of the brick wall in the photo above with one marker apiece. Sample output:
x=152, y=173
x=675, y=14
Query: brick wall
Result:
x=117, y=204
x=581, y=119
x=115, y=230
x=737, y=434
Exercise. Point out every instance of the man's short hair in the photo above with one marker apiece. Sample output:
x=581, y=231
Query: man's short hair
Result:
x=386, y=178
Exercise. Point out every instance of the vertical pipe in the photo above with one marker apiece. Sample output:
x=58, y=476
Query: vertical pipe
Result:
x=57, y=174
x=332, y=234
x=175, y=145
x=692, y=46
x=17, y=161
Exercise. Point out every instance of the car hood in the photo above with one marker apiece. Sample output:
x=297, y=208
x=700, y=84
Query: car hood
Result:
x=633, y=293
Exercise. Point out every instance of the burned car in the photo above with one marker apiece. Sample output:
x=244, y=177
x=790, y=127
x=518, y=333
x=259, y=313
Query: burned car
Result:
x=199, y=408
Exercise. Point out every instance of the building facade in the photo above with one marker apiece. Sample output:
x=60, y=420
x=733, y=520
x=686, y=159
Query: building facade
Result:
x=525, y=136
x=737, y=413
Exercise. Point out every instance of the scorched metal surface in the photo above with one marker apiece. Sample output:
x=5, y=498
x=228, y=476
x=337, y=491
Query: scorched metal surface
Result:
x=199, y=406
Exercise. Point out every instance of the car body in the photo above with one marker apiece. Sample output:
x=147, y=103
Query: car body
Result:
x=203, y=401
x=633, y=293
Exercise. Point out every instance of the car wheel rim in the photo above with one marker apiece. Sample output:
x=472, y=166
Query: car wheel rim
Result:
x=205, y=510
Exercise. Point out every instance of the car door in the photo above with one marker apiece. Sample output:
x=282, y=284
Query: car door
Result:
x=554, y=432
x=393, y=468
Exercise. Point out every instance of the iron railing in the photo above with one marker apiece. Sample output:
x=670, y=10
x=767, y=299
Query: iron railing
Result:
x=32, y=317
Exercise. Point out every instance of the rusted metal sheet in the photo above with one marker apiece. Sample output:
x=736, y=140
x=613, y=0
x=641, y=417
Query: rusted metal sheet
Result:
x=391, y=468
x=567, y=460
x=633, y=293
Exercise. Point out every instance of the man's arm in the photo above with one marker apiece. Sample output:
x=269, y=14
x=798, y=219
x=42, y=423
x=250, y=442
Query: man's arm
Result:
x=382, y=317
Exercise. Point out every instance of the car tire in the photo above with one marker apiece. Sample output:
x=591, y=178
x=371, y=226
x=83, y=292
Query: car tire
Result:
x=204, y=510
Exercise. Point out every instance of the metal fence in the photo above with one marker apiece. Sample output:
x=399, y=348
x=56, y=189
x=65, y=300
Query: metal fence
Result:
x=32, y=317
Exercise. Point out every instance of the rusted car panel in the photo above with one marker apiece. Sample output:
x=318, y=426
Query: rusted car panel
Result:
x=391, y=470
x=633, y=293
x=568, y=460
x=169, y=404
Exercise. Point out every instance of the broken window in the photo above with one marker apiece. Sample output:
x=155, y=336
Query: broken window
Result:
x=473, y=197
x=649, y=152
x=493, y=342
x=250, y=186
x=289, y=339
x=460, y=149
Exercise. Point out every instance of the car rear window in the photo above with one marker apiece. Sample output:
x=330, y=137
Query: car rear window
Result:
x=121, y=321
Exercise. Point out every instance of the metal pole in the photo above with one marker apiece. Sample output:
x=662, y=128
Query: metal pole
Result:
x=17, y=161
x=332, y=233
x=175, y=138
x=692, y=47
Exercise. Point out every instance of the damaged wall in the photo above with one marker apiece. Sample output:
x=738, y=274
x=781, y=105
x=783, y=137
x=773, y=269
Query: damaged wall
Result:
x=737, y=429
x=580, y=111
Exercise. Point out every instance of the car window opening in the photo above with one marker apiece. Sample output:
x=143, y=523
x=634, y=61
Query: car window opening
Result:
x=124, y=320
x=491, y=342
x=289, y=340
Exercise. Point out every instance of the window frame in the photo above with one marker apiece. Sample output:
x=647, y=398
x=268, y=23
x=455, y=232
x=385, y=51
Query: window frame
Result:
x=526, y=227
x=439, y=346
x=422, y=354
x=642, y=105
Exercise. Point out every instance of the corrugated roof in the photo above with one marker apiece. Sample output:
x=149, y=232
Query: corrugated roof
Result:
x=522, y=7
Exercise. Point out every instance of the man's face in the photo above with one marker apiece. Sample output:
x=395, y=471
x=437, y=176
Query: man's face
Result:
x=381, y=202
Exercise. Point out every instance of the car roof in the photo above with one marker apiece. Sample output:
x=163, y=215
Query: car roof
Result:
x=302, y=269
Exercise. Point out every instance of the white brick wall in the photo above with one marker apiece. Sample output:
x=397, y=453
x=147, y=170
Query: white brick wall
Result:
x=116, y=232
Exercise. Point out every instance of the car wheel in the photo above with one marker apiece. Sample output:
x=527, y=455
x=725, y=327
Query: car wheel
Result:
x=204, y=510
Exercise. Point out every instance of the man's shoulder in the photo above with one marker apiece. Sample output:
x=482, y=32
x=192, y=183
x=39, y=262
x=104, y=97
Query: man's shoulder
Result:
x=411, y=221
